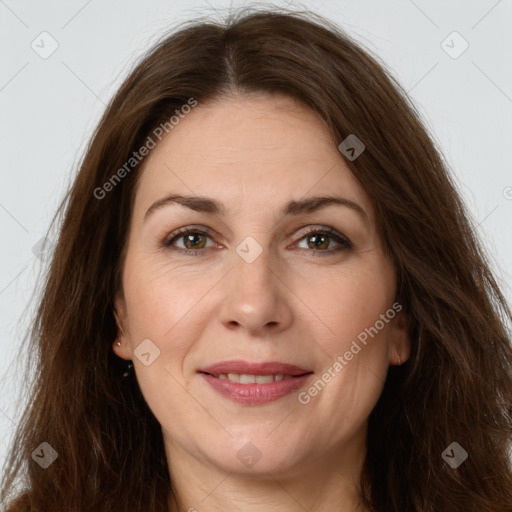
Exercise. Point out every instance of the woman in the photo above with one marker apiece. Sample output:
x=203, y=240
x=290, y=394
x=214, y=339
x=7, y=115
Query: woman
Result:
x=266, y=295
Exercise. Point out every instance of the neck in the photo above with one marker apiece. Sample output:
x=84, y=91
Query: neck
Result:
x=327, y=482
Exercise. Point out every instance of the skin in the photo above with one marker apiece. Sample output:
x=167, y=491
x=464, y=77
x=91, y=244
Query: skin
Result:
x=291, y=304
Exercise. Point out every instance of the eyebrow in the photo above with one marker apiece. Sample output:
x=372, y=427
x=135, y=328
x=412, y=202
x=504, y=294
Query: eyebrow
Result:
x=208, y=205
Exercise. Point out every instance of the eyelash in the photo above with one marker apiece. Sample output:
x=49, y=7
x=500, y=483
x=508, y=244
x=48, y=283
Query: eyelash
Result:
x=203, y=231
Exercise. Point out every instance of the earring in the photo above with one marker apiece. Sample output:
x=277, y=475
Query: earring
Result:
x=128, y=369
x=128, y=365
x=399, y=362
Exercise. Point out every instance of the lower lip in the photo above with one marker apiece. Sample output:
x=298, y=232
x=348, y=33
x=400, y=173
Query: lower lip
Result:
x=255, y=394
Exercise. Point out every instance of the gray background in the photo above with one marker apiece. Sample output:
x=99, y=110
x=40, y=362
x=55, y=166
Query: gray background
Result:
x=49, y=107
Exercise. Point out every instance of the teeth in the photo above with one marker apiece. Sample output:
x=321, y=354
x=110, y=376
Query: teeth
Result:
x=247, y=379
x=263, y=379
x=252, y=379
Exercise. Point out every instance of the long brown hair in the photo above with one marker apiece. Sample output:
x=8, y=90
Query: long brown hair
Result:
x=457, y=384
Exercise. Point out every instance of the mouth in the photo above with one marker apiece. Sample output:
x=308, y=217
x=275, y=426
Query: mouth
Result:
x=254, y=383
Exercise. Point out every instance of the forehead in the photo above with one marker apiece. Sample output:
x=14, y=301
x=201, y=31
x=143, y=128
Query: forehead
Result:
x=248, y=152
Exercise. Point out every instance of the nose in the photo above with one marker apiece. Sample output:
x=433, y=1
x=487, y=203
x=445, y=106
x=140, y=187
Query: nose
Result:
x=257, y=299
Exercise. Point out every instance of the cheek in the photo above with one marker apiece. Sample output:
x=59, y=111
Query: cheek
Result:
x=351, y=304
x=159, y=308
x=160, y=296
x=166, y=306
x=356, y=346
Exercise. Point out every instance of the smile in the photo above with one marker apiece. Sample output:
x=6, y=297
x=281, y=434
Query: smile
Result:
x=255, y=389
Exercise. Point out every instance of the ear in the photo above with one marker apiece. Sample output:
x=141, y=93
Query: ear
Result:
x=120, y=314
x=400, y=346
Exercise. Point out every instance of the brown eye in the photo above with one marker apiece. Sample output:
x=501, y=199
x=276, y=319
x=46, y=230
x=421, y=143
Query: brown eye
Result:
x=319, y=240
x=192, y=240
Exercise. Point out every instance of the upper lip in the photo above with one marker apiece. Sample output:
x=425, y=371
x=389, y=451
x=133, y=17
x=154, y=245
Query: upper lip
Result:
x=248, y=368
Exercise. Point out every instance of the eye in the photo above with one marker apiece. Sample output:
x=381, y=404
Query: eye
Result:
x=320, y=238
x=195, y=238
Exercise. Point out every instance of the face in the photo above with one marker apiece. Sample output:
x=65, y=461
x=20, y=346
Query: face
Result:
x=264, y=278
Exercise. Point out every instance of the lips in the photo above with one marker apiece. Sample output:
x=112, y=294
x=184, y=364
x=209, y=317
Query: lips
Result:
x=247, y=368
x=255, y=383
